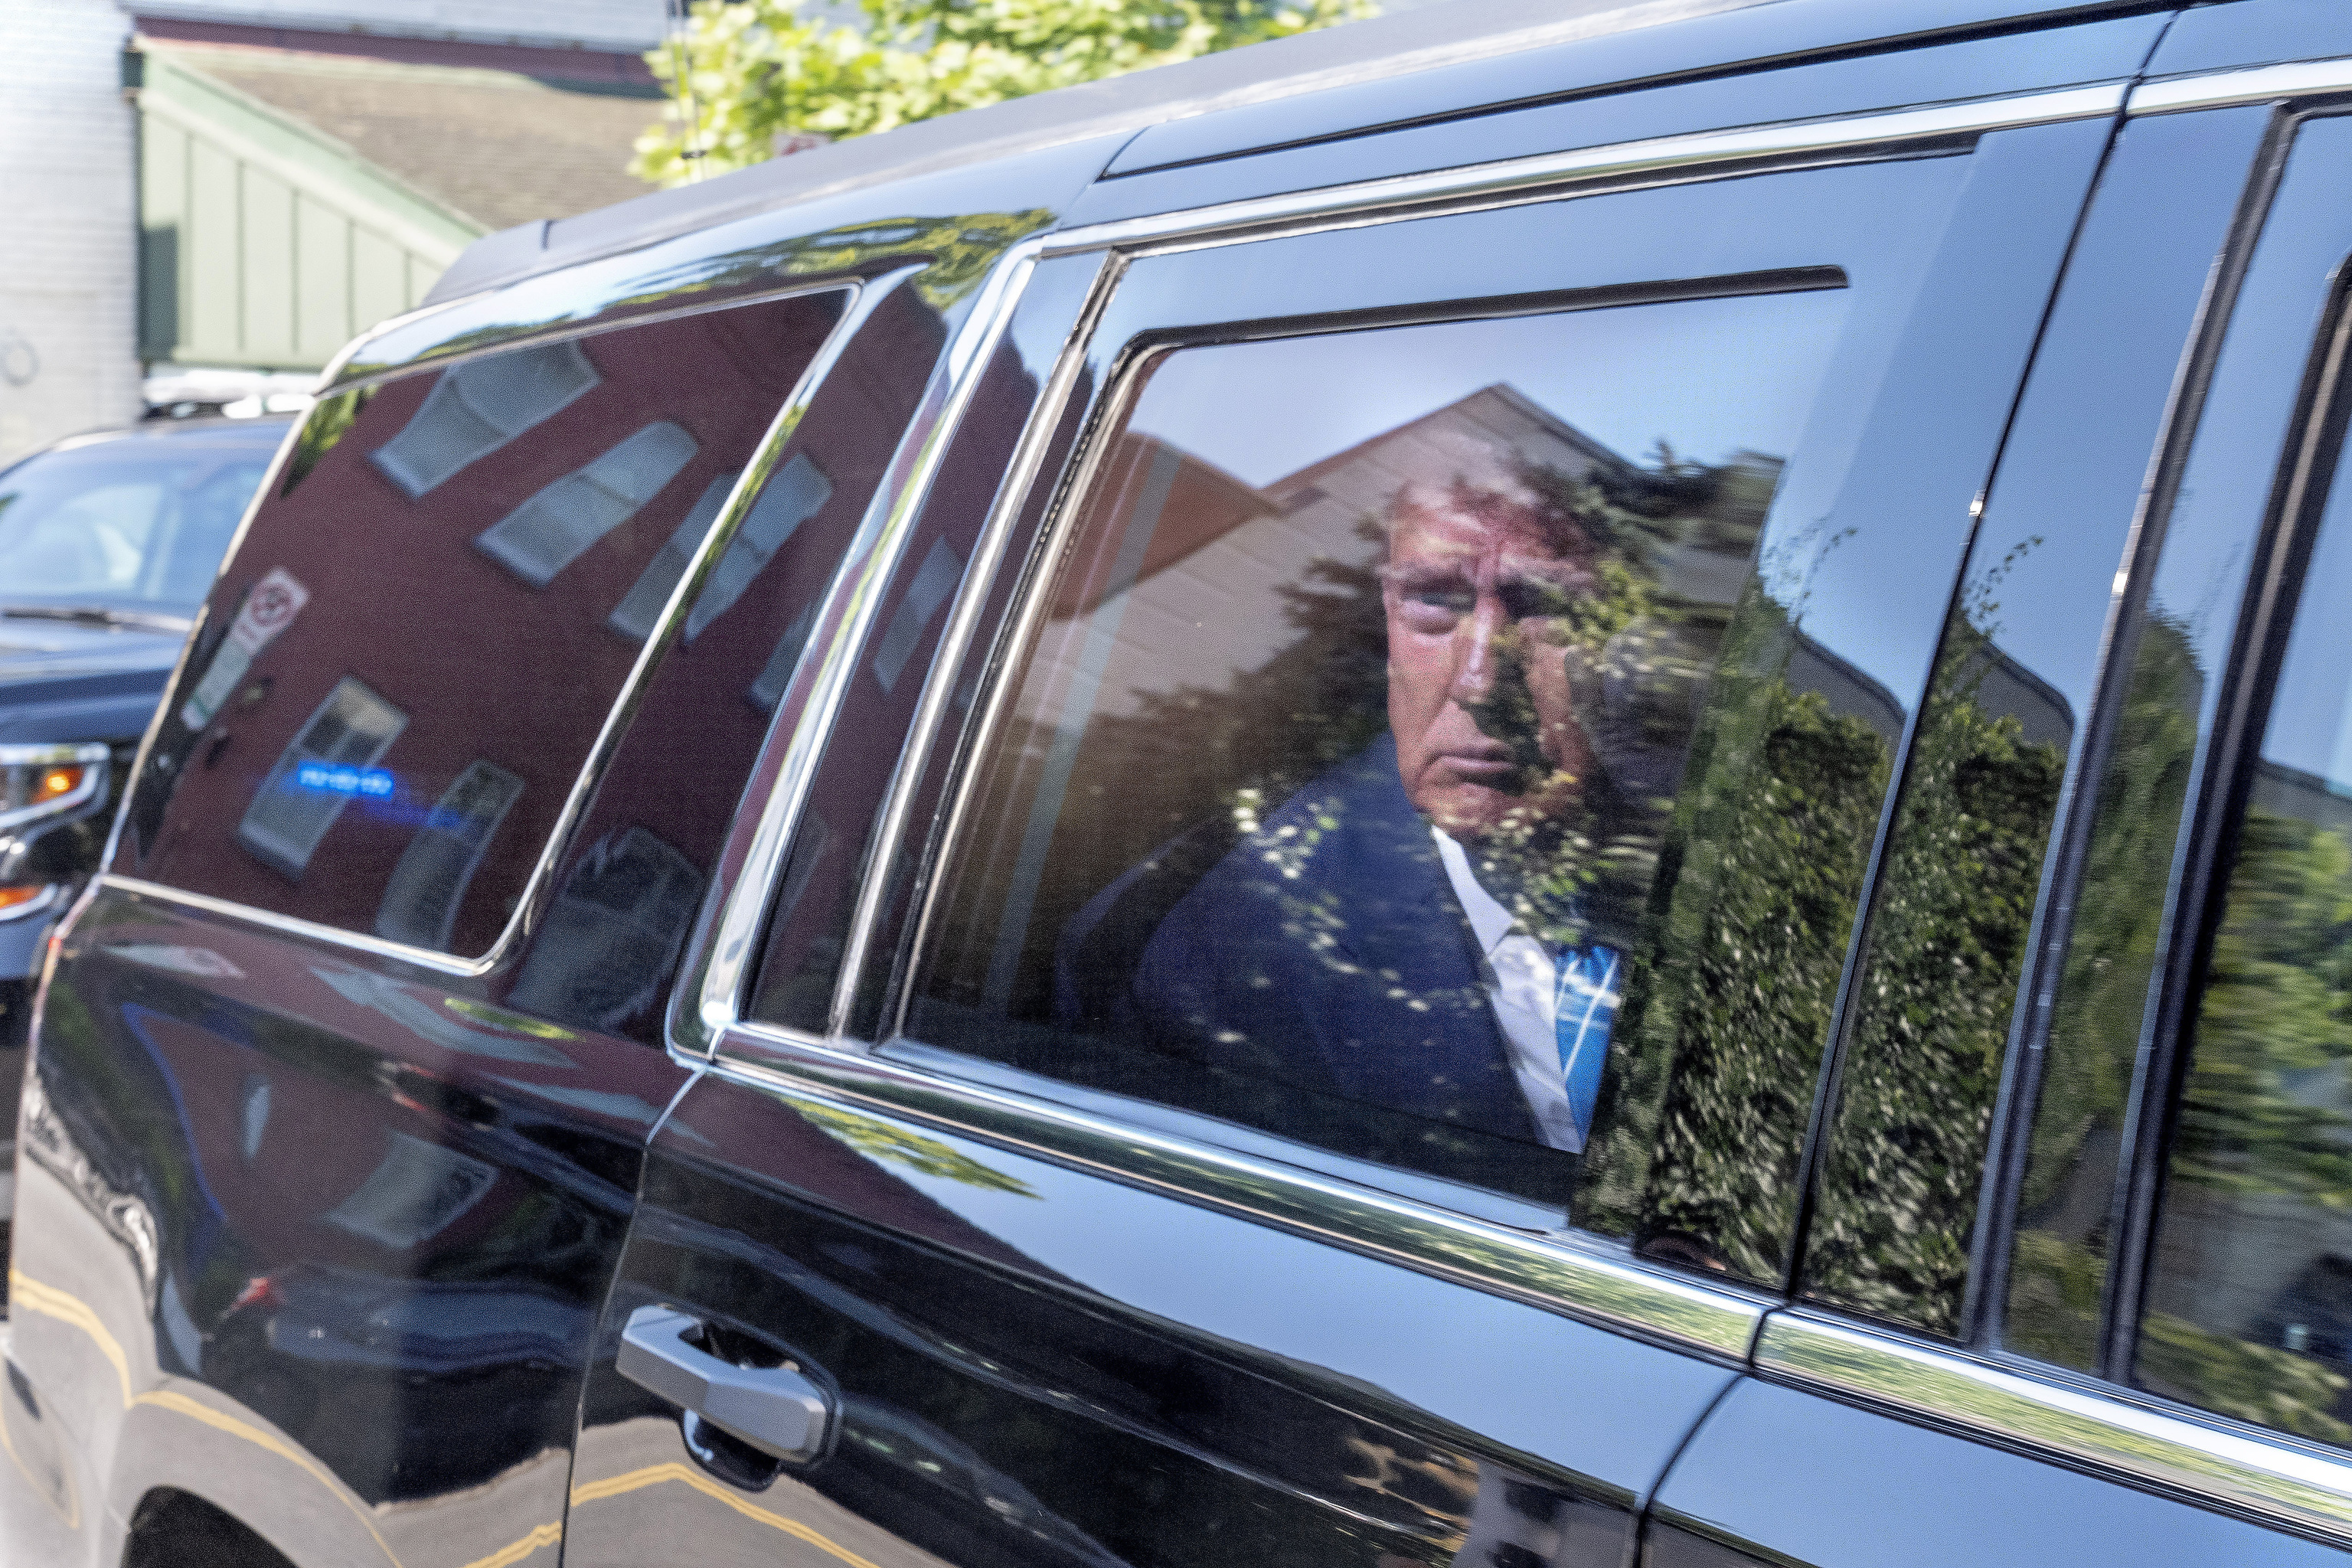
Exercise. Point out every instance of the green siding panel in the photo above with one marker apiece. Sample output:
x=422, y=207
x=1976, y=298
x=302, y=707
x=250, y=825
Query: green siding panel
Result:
x=323, y=321
x=267, y=218
x=379, y=277
x=263, y=242
x=162, y=218
x=213, y=329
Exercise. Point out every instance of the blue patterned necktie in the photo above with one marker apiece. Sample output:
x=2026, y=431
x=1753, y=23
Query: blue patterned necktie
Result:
x=1584, y=1005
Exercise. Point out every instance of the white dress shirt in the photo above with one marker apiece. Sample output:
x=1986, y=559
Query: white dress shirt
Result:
x=1523, y=987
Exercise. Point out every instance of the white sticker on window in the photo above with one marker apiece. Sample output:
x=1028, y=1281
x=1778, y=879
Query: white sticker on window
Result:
x=268, y=610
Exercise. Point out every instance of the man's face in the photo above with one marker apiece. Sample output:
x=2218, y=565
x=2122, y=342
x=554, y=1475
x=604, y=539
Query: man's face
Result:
x=1475, y=590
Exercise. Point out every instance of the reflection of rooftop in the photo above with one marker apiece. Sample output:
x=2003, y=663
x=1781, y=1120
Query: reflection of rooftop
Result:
x=1220, y=552
x=1467, y=433
x=2307, y=797
x=2007, y=688
x=2003, y=689
x=1813, y=668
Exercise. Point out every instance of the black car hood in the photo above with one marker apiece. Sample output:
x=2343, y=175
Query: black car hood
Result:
x=60, y=681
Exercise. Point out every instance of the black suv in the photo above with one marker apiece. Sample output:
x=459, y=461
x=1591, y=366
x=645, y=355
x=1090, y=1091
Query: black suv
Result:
x=1473, y=792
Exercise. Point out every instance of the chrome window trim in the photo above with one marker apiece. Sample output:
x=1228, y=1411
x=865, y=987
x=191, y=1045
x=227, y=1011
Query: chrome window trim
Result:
x=2221, y=89
x=333, y=382
x=1696, y=155
x=863, y=297
x=1576, y=1275
x=719, y=970
x=2278, y=1478
x=955, y=637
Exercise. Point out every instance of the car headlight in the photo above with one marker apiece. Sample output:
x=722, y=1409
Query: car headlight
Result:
x=39, y=782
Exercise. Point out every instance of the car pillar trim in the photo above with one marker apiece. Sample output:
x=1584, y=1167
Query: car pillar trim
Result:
x=814, y=696
x=955, y=640
x=1586, y=1277
x=2253, y=1470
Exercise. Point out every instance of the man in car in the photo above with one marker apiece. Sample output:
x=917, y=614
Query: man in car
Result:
x=1412, y=930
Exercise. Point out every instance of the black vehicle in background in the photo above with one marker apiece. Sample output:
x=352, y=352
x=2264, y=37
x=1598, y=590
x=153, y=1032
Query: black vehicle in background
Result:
x=109, y=543
x=1472, y=793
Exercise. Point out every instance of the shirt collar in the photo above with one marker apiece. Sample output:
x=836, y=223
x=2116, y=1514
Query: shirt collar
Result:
x=1490, y=923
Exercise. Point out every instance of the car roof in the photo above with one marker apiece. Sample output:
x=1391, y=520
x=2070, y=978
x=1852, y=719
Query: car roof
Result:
x=259, y=430
x=1568, y=47
x=260, y=433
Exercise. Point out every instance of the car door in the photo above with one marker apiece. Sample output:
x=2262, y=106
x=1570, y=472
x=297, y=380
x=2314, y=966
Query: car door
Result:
x=1128, y=1145
x=2078, y=1298
x=345, y=1072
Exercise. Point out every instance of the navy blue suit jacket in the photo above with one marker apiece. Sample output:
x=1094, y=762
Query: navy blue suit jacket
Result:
x=1327, y=950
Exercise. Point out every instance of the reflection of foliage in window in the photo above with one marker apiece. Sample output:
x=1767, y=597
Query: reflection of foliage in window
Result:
x=2059, y=1258
x=2278, y=1001
x=1721, y=1037
x=926, y=1156
x=331, y=420
x=2262, y=1150
x=2277, y=1388
x=1923, y=1059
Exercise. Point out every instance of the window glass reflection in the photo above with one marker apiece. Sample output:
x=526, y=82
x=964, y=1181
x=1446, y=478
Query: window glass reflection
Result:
x=1343, y=791
x=627, y=897
x=407, y=659
x=2249, y=1300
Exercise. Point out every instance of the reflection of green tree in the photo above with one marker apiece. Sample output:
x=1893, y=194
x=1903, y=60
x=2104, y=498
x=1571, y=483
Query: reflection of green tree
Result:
x=1931, y=1010
x=927, y=1156
x=2278, y=1002
x=2253, y=1383
x=961, y=250
x=1720, y=1036
x=2058, y=1261
x=2262, y=1132
x=329, y=421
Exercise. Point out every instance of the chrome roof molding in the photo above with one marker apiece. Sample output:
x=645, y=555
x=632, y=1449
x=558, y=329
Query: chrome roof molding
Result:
x=1703, y=154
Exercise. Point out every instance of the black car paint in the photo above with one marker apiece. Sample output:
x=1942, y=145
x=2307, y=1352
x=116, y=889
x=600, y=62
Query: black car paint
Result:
x=1110, y=1377
x=63, y=682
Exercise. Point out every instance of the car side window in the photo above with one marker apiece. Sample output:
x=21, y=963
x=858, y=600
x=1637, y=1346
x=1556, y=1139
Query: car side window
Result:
x=2170, y=1128
x=1331, y=795
x=381, y=726
x=2248, y=1308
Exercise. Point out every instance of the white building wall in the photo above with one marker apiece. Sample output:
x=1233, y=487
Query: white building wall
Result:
x=68, y=239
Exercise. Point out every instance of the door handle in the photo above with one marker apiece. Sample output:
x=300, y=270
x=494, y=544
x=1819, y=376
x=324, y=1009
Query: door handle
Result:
x=780, y=1411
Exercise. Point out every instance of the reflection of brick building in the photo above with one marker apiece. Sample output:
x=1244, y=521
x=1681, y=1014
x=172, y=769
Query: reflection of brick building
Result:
x=458, y=630
x=1221, y=552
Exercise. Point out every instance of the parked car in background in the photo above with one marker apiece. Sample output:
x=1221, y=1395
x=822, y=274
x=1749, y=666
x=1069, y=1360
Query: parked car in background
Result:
x=1445, y=795
x=109, y=543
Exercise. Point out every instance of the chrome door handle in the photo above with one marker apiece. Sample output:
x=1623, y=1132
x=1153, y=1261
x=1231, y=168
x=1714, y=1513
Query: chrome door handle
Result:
x=780, y=1411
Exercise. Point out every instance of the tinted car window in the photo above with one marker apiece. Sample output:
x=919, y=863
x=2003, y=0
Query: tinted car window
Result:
x=628, y=891
x=407, y=659
x=2091, y=1103
x=127, y=522
x=2249, y=1308
x=1331, y=796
